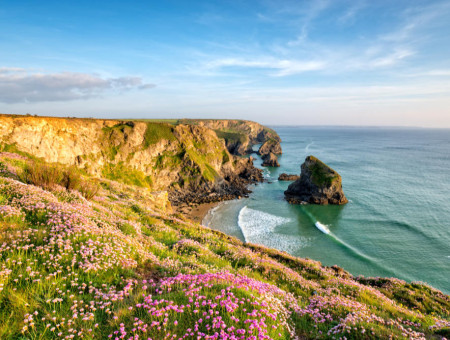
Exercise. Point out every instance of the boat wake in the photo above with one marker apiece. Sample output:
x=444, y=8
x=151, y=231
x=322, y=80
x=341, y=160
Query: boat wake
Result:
x=307, y=147
x=322, y=227
x=325, y=229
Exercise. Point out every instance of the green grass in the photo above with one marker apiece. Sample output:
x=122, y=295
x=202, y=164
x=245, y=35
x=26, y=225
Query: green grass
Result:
x=156, y=132
x=231, y=137
x=322, y=174
x=168, y=245
x=169, y=160
x=4, y=147
x=127, y=229
x=123, y=174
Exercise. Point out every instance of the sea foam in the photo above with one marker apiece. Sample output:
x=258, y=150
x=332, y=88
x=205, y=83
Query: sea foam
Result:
x=259, y=227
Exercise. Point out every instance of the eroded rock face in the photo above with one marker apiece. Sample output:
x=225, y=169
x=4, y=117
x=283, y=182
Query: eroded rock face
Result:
x=318, y=184
x=286, y=177
x=189, y=161
x=270, y=146
x=270, y=160
x=239, y=135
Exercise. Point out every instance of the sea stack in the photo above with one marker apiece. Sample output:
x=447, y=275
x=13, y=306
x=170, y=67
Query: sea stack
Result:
x=270, y=160
x=318, y=184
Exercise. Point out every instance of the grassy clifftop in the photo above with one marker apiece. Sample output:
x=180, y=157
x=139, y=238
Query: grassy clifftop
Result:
x=239, y=135
x=121, y=265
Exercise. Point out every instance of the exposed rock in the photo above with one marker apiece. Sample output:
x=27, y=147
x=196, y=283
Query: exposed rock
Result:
x=239, y=135
x=237, y=143
x=318, y=184
x=270, y=160
x=270, y=146
x=286, y=177
x=238, y=148
x=188, y=161
x=232, y=186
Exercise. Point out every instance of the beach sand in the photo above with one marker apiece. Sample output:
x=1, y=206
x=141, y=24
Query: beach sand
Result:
x=197, y=212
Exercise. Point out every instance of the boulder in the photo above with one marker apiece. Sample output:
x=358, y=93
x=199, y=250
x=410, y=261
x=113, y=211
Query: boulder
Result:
x=270, y=146
x=270, y=160
x=286, y=177
x=318, y=184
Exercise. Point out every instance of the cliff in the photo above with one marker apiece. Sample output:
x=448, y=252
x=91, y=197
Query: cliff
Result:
x=239, y=135
x=116, y=263
x=318, y=184
x=185, y=157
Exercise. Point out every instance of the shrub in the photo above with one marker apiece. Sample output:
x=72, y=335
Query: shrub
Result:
x=42, y=175
x=71, y=179
x=49, y=176
x=127, y=229
x=89, y=188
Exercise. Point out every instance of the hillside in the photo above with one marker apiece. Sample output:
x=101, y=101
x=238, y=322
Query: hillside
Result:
x=86, y=255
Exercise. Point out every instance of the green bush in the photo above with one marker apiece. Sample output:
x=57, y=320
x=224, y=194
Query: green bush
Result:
x=49, y=176
x=42, y=175
x=71, y=178
x=89, y=188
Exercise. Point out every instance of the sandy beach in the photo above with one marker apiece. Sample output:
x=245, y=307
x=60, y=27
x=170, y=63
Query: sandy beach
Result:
x=197, y=212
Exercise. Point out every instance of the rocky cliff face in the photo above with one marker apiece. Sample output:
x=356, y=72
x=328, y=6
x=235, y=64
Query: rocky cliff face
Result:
x=318, y=184
x=270, y=160
x=189, y=161
x=270, y=146
x=239, y=135
x=286, y=177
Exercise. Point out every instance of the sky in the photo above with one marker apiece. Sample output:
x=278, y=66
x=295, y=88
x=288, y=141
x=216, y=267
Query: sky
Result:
x=278, y=62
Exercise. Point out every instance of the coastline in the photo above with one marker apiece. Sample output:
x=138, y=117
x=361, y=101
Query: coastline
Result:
x=197, y=212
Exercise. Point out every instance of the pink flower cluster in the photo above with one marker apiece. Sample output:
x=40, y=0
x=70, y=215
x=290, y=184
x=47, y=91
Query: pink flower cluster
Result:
x=218, y=308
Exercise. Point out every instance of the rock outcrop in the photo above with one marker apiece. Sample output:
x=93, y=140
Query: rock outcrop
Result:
x=286, y=177
x=239, y=135
x=270, y=160
x=187, y=160
x=318, y=184
x=270, y=146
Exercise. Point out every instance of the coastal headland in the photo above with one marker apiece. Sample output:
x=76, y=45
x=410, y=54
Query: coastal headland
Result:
x=95, y=242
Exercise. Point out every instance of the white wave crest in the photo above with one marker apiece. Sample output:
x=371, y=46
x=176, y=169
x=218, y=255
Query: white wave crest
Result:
x=259, y=227
x=322, y=227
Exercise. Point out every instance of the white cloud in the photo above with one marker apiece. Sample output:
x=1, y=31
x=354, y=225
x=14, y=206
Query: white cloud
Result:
x=392, y=58
x=19, y=85
x=281, y=66
x=350, y=14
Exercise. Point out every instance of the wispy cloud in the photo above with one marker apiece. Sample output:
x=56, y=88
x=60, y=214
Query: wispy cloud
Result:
x=391, y=58
x=306, y=18
x=350, y=14
x=278, y=67
x=19, y=85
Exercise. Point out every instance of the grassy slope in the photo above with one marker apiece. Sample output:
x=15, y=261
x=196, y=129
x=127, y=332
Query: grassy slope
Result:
x=119, y=266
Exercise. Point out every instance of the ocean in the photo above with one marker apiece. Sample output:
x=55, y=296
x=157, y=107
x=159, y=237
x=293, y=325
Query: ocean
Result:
x=397, y=221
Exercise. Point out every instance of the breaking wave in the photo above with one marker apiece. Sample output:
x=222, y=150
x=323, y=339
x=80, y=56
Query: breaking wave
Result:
x=259, y=227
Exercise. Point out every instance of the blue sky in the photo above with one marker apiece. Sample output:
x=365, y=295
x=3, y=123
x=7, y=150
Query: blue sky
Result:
x=324, y=62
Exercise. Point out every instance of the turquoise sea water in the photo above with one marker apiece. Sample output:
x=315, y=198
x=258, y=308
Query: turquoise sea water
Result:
x=397, y=222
